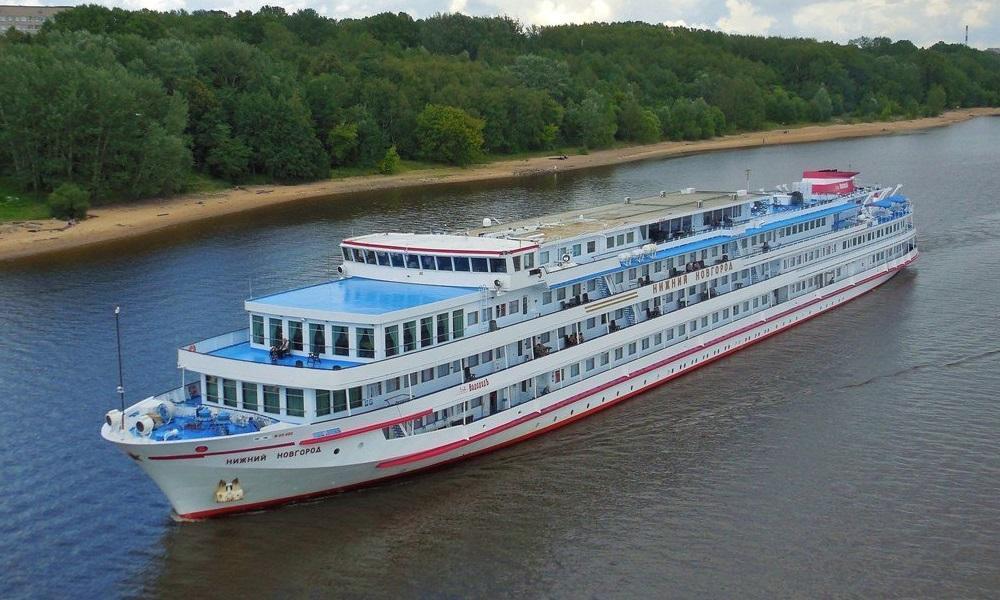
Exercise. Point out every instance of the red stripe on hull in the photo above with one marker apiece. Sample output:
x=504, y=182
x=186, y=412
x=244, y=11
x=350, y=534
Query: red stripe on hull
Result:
x=204, y=454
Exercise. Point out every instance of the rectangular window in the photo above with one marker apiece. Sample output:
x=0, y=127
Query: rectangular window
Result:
x=250, y=396
x=383, y=258
x=272, y=399
x=529, y=261
x=397, y=259
x=257, y=324
x=631, y=348
x=619, y=353
x=443, y=370
x=605, y=359
x=591, y=247
x=409, y=336
x=322, y=402
x=295, y=334
x=341, y=343
x=275, y=331
x=609, y=242
x=317, y=338
x=657, y=339
x=461, y=263
x=546, y=297
x=480, y=265
x=427, y=375
x=443, y=263
x=498, y=265
x=339, y=401
x=211, y=388
x=574, y=370
x=391, y=340
x=543, y=257
x=366, y=342
x=472, y=318
x=412, y=261
x=426, y=331
x=295, y=402
x=229, y=392
x=354, y=395
x=442, y=328
x=457, y=326
x=590, y=364
x=645, y=343
x=427, y=262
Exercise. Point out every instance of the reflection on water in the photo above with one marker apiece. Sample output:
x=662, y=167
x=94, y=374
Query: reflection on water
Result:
x=855, y=455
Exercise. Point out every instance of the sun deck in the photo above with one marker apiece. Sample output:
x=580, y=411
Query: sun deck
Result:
x=356, y=295
x=244, y=352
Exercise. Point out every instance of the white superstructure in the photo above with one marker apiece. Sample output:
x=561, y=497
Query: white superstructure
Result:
x=430, y=347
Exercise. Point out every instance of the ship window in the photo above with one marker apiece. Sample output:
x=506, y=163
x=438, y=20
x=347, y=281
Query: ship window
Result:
x=657, y=339
x=620, y=240
x=397, y=259
x=479, y=265
x=295, y=333
x=370, y=257
x=339, y=401
x=543, y=257
x=426, y=331
x=355, y=396
x=631, y=348
x=442, y=327
x=457, y=325
x=681, y=329
x=577, y=249
x=275, y=330
x=412, y=261
x=461, y=263
x=211, y=389
x=317, y=338
x=472, y=318
x=322, y=402
x=229, y=392
x=341, y=343
x=574, y=369
x=250, y=396
x=546, y=297
x=444, y=370
x=619, y=353
x=610, y=242
x=605, y=359
x=591, y=247
x=427, y=262
x=257, y=323
x=392, y=340
x=529, y=260
x=670, y=333
x=645, y=343
x=443, y=263
x=590, y=364
x=427, y=375
x=383, y=258
x=366, y=342
x=517, y=262
x=409, y=336
x=358, y=255
x=272, y=399
x=347, y=253
x=498, y=265
x=295, y=402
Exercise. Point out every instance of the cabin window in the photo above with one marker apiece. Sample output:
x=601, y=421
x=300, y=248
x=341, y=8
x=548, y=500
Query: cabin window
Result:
x=574, y=370
x=366, y=342
x=479, y=265
x=358, y=255
x=392, y=340
x=620, y=240
x=409, y=336
x=370, y=257
x=591, y=247
x=347, y=254
x=605, y=359
x=461, y=263
x=442, y=328
x=427, y=262
x=229, y=392
x=498, y=265
x=590, y=364
x=543, y=257
x=211, y=388
x=610, y=242
x=443, y=370
x=529, y=261
x=383, y=258
x=657, y=339
x=257, y=325
x=546, y=297
x=275, y=330
x=472, y=318
x=412, y=261
x=341, y=343
x=443, y=263
x=272, y=399
x=317, y=338
x=322, y=402
x=577, y=249
x=339, y=401
x=631, y=348
x=250, y=396
x=457, y=326
x=427, y=375
x=354, y=395
x=517, y=262
x=426, y=331
x=619, y=353
x=295, y=333
x=397, y=259
x=295, y=403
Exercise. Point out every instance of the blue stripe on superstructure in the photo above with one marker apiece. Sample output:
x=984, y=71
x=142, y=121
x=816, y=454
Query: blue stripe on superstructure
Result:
x=713, y=241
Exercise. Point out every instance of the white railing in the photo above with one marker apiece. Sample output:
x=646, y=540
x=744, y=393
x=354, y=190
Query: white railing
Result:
x=225, y=340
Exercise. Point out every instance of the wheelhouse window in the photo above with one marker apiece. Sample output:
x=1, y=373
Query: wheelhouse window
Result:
x=427, y=262
x=295, y=403
x=257, y=326
x=392, y=340
x=358, y=255
x=347, y=254
x=383, y=258
x=272, y=399
x=322, y=402
x=317, y=338
x=443, y=263
x=211, y=388
x=341, y=343
x=250, y=396
x=229, y=392
x=479, y=265
x=517, y=262
x=366, y=342
x=295, y=334
x=498, y=265
x=461, y=263
x=370, y=257
x=397, y=259
x=412, y=261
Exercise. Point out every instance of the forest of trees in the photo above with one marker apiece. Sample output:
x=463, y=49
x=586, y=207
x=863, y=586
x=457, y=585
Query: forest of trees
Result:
x=125, y=105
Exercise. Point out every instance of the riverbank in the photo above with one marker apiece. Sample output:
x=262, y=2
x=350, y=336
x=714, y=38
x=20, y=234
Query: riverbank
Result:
x=106, y=224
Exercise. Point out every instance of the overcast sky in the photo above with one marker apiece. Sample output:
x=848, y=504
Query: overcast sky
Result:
x=922, y=21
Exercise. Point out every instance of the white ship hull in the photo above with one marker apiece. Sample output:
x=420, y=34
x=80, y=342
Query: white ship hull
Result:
x=298, y=463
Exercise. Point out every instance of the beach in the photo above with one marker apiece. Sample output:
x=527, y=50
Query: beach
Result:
x=109, y=223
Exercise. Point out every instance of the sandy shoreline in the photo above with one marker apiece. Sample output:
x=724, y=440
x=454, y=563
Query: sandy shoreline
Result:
x=18, y=240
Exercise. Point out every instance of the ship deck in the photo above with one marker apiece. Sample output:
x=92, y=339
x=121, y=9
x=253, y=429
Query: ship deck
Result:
x=358, y=295
x=245, y=352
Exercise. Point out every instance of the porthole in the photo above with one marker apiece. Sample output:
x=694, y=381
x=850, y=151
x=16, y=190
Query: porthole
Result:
x=336, y=450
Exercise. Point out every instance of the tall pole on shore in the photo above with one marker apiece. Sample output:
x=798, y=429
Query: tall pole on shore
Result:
x=121, y=377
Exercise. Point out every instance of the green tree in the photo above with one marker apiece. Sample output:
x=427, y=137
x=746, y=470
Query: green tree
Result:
x=390, y=162
x=936, y=98
x=69, y=201
x=592, y=122
x=343, y=143
x=821, y=107
x=449, y=134
x=638, y=124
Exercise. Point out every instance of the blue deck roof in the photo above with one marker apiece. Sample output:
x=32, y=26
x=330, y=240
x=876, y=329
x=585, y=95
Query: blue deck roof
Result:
x=364, y=296
x=245, y=352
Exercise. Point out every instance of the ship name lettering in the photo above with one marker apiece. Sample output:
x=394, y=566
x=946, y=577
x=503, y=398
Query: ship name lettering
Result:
x=298, y=452
x=242, y=460
x=478, y=385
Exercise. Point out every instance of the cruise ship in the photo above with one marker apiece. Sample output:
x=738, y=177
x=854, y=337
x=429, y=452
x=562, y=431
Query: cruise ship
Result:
x=430, y=348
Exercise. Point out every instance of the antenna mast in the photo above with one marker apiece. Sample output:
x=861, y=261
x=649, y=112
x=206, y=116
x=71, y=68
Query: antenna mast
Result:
x=121, y=378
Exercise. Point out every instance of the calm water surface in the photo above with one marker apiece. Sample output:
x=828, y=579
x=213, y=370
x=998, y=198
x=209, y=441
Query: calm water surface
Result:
x=857, y=455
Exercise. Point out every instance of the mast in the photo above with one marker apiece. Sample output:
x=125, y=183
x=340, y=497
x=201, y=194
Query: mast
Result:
x=121, y=377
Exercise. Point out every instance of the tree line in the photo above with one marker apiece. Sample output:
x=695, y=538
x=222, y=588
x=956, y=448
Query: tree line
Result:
x=129, y=104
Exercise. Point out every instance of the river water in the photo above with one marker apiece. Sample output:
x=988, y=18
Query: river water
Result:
x=856, y=455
